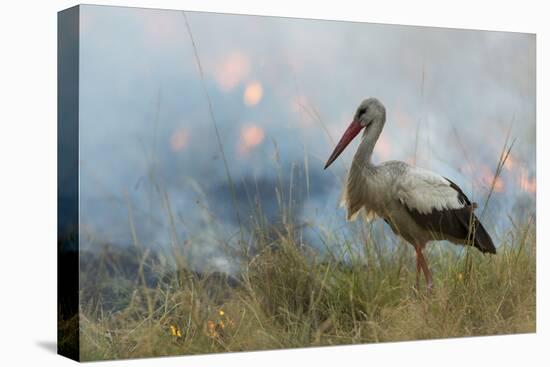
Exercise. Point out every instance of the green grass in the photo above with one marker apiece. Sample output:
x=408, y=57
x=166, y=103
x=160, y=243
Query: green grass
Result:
x=290, y=296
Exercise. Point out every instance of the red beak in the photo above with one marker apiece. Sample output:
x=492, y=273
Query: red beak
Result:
x=351, y=132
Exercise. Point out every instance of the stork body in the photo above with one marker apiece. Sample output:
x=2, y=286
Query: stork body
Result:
x=418, y=205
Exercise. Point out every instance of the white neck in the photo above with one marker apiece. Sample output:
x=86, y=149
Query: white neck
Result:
x=363, y=156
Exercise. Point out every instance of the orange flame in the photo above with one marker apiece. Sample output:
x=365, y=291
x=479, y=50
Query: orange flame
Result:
x=499, y=185
x=251, y=136
x=526, y=184
x=232, y=71
x=487, y=178
x=509, y=163
x=178, y=140
x=253, y=93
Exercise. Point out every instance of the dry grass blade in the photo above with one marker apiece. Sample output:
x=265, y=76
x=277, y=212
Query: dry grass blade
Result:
x=213, y=119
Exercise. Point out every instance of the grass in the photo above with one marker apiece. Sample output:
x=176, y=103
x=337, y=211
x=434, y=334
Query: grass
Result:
x=136, y=303
x=290, y=296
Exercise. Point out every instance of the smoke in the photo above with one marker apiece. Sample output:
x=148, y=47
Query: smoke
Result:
x=283, y=90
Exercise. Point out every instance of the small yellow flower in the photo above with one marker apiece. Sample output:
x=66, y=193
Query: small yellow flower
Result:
x=460, y=276
x=175, y=331
x=221, y=313
x=215, y=329
x=210, y=324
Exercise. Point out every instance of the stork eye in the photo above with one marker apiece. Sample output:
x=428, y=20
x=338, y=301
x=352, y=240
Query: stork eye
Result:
x=361, y=111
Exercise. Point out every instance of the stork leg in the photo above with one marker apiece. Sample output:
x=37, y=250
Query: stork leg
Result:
x=422, y=264
x=418, y=268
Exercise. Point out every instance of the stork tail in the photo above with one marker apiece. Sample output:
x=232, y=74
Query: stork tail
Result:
x=456, y=224
x=482, y=240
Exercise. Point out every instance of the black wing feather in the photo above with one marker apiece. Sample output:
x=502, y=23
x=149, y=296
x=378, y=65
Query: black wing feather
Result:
x=460, y=224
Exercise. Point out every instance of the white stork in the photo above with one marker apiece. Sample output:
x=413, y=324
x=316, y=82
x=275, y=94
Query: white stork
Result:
x=419, y=205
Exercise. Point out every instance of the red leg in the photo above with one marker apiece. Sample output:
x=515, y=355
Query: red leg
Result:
x=424, y=265
x=418, y=267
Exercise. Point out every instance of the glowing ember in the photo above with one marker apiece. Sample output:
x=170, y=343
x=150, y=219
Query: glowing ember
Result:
x=251, y=136
x=253, y=93
x=232, y=71
x=179, y=139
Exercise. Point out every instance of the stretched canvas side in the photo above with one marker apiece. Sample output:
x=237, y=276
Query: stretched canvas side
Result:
x=67, y=183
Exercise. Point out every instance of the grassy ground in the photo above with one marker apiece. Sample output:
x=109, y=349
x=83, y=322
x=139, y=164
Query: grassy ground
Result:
x=289, y=296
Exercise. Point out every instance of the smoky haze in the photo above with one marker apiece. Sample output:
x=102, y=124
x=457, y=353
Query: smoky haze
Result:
x=283, y=91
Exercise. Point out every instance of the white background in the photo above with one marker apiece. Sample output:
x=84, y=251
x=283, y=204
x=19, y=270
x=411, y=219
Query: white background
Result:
x=28, y=182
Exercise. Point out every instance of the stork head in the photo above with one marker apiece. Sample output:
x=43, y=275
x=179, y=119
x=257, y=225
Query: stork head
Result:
x=371, y=115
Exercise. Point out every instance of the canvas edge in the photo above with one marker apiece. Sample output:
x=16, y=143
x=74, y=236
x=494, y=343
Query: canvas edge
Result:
x=68, y=323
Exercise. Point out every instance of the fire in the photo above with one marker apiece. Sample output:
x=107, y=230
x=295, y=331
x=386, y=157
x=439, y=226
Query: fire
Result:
x=509, y=163
x=526, y=184
x=253, y=93
x=499, y=185
x=232, y=71
x=178, y=140
x=487, y=177
x=251, y=136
